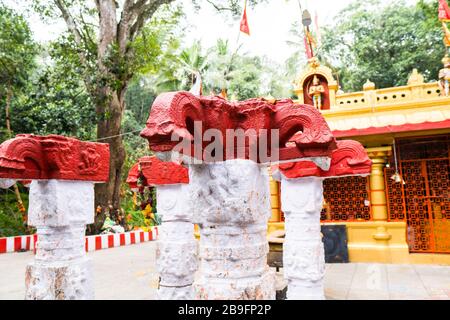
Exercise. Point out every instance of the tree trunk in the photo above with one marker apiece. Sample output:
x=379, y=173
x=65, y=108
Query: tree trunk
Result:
x=7, y=107
x=107, y=195
x=8, y=128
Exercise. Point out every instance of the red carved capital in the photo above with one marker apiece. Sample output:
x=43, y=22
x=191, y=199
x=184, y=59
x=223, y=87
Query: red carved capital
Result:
x=156, y=172
x=350, y=158
x=303, y=131
x=30, y=157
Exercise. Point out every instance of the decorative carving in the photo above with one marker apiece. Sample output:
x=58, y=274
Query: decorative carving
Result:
x=157, y=172
x=53, y=157
x=231, y=205
x=444, y=77
x=350, y=158
x=174, y=114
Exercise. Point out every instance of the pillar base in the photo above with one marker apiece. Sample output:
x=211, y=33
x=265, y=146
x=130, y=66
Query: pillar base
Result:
x=255, y=288
x=305, y=291
x=176, y=293
x=71, y=280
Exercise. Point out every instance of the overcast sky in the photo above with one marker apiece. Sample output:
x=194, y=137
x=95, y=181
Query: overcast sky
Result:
x=269, y=25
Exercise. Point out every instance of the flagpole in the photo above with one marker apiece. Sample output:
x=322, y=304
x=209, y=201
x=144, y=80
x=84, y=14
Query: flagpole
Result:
x=237, y=47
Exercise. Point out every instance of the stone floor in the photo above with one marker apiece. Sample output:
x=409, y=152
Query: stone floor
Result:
x=129, y=273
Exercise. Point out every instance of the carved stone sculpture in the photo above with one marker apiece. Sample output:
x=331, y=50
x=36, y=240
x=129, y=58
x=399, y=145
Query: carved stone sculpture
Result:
x=63, y=172
x=301, y=202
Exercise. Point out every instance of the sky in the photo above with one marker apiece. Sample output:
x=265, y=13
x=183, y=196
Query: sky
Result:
x=269, y=23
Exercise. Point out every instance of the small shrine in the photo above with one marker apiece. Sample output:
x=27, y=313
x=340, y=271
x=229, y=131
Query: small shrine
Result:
x=316, y=86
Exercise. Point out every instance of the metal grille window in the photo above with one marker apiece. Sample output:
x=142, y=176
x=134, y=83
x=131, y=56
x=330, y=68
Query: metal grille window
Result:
x=346, y=199
x=423, y=201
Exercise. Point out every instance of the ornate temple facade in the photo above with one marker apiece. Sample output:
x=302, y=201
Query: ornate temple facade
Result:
x=401, y=212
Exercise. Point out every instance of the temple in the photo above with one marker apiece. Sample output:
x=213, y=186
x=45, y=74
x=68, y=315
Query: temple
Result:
x=400, y=212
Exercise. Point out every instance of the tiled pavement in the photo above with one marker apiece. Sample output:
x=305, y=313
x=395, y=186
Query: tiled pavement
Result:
x=355, y=281
x=129, y=273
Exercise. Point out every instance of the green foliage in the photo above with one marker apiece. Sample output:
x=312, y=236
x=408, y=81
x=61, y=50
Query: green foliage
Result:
x=384, y=44
x=220, y=68
x=135, y=146
x=18, y=49
x=231, y=7
x=11, y=223
x=55, y=101
x=147, y=52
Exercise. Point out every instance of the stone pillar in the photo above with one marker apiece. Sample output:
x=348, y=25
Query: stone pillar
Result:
x=303, y=251
x=60, y=211
x=231, y=202
x=176, y=246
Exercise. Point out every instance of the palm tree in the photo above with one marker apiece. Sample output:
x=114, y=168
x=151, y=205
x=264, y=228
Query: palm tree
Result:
x=193, y=61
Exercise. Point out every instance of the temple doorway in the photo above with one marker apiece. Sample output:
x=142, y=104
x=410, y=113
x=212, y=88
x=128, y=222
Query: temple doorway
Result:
x=423, y=200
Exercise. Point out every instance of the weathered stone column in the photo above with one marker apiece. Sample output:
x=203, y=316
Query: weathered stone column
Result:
x=177, y=248
x=303, y=252
x=61, y=203
x=232, y=207
x=176, y=253
x=231, y=198
x=301, y=202
x=60, y=211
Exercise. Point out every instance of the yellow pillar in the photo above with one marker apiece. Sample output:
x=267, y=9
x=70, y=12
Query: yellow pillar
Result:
x=378, y=201
x=274, y=200
x=378, y=190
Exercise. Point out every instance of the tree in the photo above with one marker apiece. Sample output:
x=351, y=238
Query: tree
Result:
x=113, y=43
x=242, y=76
x=16, y=62
x=54, y=99
x=384, y=45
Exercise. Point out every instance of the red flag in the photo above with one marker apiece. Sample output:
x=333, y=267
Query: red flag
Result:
x=444, y=11
x=307, y=48
x=244, y=22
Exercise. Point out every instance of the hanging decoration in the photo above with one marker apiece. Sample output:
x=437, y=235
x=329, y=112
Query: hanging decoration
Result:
x=396, y=176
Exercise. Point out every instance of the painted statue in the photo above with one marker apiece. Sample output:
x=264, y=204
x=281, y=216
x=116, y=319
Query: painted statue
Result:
x=316, y=90
x=444, y=76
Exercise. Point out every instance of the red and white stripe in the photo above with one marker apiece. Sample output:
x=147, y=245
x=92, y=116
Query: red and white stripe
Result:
x=18, y=243
x=105, y=241
x=92, y=243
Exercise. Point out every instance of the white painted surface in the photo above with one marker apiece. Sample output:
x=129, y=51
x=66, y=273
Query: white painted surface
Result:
x=231, y=202
x=176, y=245
x=60, y=211
x=303, y=251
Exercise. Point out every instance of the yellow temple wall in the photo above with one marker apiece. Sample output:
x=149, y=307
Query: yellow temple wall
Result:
x=378, y=240
x=417, y=102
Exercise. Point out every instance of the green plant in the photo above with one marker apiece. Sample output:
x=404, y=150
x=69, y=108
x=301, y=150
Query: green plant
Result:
x=11, y=220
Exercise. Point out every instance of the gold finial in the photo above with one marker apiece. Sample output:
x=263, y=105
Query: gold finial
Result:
x=314, y=62
x=369, y=85
x=415, y=77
